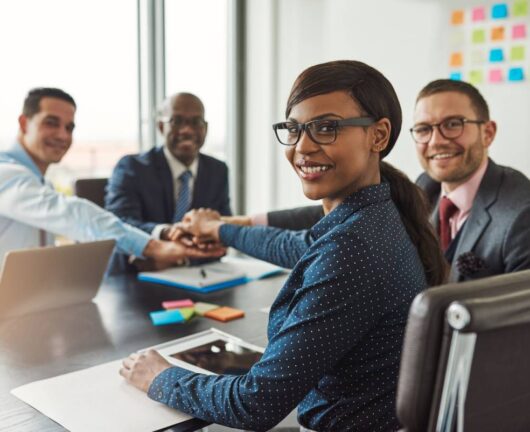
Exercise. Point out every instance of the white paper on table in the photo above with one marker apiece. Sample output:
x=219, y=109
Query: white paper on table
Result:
x=99, y=399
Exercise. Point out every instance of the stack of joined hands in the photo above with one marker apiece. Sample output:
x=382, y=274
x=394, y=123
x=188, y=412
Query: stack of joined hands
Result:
x=195, y=237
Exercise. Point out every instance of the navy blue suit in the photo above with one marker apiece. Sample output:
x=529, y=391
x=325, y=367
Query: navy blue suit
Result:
x=141, y=192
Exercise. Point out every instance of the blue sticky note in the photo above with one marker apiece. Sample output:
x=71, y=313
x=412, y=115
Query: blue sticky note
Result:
x=456, y=76
x=496, y=55
x=499, y=10
x=516, y=74
x=166, y=317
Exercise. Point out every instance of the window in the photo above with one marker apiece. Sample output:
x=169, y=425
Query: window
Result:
x=196, y=51
x=88, y=49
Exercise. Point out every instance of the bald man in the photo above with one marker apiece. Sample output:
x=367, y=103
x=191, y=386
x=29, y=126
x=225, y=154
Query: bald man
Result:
x=153, y=190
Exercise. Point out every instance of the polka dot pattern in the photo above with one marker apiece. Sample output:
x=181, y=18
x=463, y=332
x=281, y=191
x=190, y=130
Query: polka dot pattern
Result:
x=335, y=330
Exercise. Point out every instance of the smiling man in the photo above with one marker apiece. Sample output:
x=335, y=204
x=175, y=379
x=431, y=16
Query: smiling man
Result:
x=153, y=190
x=481, y=210
x=31, y=211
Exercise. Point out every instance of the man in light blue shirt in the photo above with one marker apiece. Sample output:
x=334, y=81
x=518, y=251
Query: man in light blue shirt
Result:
x=31, y=210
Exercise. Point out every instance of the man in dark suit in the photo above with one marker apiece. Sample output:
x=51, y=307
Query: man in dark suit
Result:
x=153, y=190
x=485, y=225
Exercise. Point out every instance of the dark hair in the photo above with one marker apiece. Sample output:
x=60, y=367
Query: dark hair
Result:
x=377, y=98
x=366, y=85
x=446, y=85
x=32, y=102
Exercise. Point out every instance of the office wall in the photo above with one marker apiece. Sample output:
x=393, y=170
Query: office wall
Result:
x=405, y=39
x=509, y=103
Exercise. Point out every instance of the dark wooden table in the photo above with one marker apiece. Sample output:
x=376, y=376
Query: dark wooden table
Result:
x=117, y=323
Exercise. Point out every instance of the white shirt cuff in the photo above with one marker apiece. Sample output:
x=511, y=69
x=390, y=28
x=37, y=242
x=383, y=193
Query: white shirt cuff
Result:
x=157, y=230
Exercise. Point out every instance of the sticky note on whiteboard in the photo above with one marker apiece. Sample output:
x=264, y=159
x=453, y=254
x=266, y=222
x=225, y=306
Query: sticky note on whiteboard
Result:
x=478, y=14
x=496, y=55
x=457, y=17
x=497, y=33
x=456, y=59
x=456, y=76
x=478, y=57
x=517, y=53
x=495, y=76
x=499, y=11
x=520, y=8
x=478, y=36
x=516, y=74
x=476, y=77
x=519, y=31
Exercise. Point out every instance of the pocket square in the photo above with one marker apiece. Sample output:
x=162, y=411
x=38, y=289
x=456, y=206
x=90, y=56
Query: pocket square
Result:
x=469, y=264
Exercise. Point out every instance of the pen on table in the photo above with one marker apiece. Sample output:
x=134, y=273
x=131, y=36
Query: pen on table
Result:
x=203, y=273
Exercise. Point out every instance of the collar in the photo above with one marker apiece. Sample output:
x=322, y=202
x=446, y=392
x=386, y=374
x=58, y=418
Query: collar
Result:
x=464, y=195
x=362, y=198
x=19, y=154
x=177, y=167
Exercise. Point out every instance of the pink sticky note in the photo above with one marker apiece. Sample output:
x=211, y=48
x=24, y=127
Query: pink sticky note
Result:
x=174, y=304
x=519, y=31
x=478, y=14
x=495, y=75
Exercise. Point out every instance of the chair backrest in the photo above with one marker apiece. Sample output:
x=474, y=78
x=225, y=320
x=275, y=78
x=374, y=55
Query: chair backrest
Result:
x=465, y=357
x=92, y=189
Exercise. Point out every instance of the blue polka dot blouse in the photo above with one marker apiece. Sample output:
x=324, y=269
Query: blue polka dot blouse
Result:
x=335, y=330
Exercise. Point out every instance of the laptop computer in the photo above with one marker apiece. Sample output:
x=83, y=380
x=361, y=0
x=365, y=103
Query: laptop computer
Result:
x=51, y=277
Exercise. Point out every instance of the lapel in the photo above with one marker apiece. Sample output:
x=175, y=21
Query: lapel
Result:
x=166, y=185
x=479, y=218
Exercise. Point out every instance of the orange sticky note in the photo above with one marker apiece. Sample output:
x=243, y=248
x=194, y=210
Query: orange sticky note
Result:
x=225, y=314
x=456, y=59
x=457, y=17
x=497, y=33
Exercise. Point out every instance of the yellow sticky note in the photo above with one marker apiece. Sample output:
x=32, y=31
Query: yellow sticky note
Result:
x=456, y=59
x=517, y=53
x=478, y=57
x=520, y=8
x=478, y=36
x=457, y=17
x=476, y=77
x=497, y=33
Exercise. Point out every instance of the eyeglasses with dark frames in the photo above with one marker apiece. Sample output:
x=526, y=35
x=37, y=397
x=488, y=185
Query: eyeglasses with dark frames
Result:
x=178, y=121
x=321, y=131
x=449, y=128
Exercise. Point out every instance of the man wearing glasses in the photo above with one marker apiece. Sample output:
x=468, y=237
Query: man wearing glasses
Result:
x=153, y=190
x=481, y=210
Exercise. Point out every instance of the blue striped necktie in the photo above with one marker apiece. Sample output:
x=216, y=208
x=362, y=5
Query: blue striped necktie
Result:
x=183, y=199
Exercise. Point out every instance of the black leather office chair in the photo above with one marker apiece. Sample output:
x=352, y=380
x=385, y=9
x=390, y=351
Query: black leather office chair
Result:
x=93, y=189
x=466, y=358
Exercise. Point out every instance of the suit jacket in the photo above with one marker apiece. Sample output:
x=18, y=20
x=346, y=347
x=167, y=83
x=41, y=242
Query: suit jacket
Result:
x=497, y=231
x=141, y=191
x=297, y=218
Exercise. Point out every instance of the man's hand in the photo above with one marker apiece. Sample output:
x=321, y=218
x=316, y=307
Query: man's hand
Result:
x=140, y=369
x=174, y=253
x=201, y=226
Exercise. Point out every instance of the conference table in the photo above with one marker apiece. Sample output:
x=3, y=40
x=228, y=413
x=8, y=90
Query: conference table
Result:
x=115, y=324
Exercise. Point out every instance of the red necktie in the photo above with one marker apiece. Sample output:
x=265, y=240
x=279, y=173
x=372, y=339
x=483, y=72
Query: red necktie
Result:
x=447, y=210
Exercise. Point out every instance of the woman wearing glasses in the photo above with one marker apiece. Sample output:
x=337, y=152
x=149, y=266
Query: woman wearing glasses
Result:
x=336, y=328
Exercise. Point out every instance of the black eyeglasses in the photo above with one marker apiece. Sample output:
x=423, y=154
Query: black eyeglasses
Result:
x=450, y=128
x=322, y=131
x=177, y=122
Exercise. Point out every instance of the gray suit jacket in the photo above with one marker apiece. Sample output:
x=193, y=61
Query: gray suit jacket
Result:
x=497, y=232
